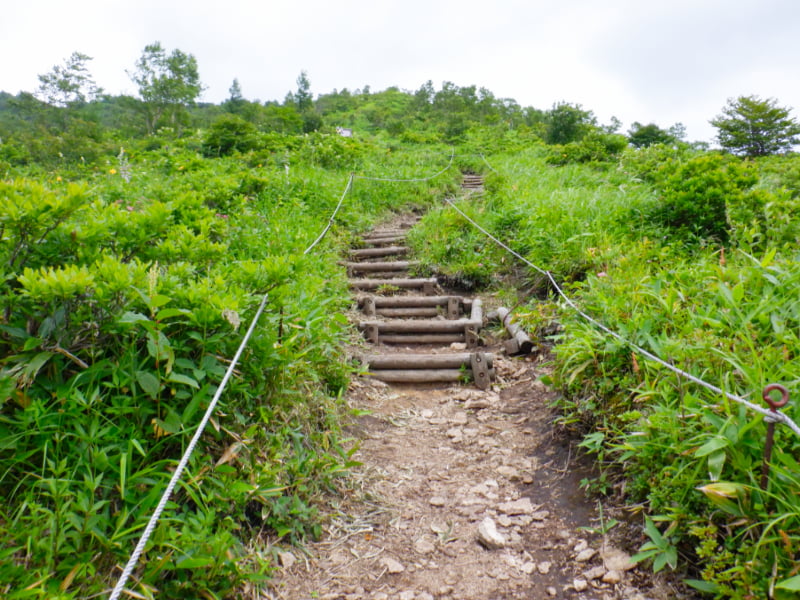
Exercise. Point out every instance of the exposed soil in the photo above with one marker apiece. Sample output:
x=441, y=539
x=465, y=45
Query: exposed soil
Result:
x=436, y=461
x=440, y=463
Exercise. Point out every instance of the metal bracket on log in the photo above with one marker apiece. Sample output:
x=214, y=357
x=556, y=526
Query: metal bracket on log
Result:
x=480, y=370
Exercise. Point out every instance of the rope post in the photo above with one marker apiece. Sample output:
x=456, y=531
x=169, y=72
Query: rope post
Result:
x=774, y=405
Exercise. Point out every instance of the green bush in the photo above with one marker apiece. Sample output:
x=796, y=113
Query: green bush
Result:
x=229, y=134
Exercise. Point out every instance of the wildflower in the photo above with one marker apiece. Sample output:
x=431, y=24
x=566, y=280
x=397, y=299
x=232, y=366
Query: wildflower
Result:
x=112, y=171
x=58, y=178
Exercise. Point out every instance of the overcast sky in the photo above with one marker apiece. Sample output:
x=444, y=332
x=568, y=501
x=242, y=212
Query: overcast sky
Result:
x=662, y=61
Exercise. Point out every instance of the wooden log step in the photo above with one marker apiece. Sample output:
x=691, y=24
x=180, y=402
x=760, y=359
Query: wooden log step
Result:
x=396, y=265
x=409, y=301
x=422, y=361
x=433, y=326
x=408, y=313
x=427, y=284
x=373, y=252
x=374, y=242
x=426, y=338
x=420, y=375
x=520, y=342
x=425, y=376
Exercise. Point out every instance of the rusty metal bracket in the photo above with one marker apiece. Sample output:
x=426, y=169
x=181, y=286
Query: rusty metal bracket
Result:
x=369, y=306
x=480, y=370
x=371, y=333
x=453, y=307
x=774, y=405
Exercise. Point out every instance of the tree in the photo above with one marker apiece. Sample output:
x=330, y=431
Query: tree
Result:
x=303, y=97
x=642, y=136
x=750, y=126
x=236, y=101
x=69, y=84
x=167, y=83
x=568, y=123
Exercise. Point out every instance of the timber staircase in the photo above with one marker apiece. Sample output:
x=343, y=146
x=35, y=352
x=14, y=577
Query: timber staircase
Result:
x=401, y=313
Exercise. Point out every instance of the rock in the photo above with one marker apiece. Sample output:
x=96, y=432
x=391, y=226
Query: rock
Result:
x=612, y=577
x=488, y=535
x=460, y=418
x=455, y=434
x=540, y=515
x=477, y=404
x=392, y=566
x=523, y=506
x=551, y=591
x=509, y=473
x=528, y=568
x=586, y=555
x=580, y=585
x=380, y=596
x=458, y=346
x=505, y=521
x=423, y=596
x=615, y=559
x=427, y=413
x=287, y=559
x=544, y=567
x=445, y=590
x=424, y=545
x=406, y=595
x=580, y=546
x=437, y=501
x=594, y=573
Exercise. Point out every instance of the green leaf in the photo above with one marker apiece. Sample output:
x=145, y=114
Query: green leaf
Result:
x=148, y=382
x=716, y=461
x=793, y=584
x=194, y=562
x=132, y=317
x=184, y=379
x=703, y=586
x=717, y=443
x=168, y=313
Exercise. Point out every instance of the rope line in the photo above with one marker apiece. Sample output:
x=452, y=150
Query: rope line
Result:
x=151, y=524
x=774, y=416
x=333, y=216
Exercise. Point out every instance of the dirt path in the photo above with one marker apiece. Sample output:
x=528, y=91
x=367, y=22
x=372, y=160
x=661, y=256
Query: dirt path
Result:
x=464, y=495
x=438, y=461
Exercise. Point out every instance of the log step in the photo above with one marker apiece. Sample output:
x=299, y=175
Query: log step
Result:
x=421, y=361
x=423, y=338
x=397, y=265
x=374, y=252
x=383, y=241
x=408, y=326
x=428, y=285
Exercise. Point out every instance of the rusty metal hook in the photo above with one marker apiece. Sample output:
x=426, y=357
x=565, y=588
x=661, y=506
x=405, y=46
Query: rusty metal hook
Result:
x=775, y=405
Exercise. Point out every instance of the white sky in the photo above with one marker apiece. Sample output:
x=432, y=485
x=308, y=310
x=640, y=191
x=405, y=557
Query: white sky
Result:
x=659, y=61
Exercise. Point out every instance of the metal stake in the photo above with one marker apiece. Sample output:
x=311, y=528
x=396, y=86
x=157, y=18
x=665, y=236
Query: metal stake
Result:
x=774, y=406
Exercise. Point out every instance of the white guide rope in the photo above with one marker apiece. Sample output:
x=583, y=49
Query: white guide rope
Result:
x=770, y=415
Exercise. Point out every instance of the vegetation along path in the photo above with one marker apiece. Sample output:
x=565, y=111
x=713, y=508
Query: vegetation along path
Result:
x=465, y=490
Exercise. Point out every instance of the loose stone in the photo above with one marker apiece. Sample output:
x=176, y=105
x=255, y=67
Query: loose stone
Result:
x=392, y=565
x=488, y=535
